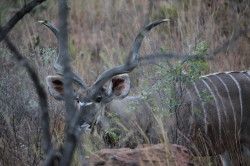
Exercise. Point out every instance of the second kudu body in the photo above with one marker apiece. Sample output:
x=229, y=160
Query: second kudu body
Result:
x=214, y=116
x=211, y=124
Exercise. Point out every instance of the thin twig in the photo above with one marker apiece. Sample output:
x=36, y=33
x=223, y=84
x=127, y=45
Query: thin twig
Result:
x=150, y=58
x=228, y=43
x=17, y=17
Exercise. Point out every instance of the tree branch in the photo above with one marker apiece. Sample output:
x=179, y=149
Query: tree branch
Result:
x=228, y=43
x=47, y=145
x=17, y=17
x=150, y=58
x=71, y=127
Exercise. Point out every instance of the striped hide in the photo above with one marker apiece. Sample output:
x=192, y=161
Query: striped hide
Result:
x=214, y=115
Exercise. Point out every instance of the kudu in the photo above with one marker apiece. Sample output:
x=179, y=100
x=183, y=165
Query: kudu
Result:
x=213, y=117
x=112, y=85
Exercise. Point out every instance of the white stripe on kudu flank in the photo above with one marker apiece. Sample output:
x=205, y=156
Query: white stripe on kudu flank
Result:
x=218, y=93
x=226, y=72
x=247, y=74
x=231, y=103
x=240, y=95
x=202, y=105
x=203, y=76
x=216, y=104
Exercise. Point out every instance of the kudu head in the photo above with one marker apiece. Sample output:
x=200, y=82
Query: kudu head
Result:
x=111, y=84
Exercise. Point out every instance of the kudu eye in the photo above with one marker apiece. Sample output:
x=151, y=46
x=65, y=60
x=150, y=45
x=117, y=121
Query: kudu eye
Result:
x=98, y=99
x=77, y=99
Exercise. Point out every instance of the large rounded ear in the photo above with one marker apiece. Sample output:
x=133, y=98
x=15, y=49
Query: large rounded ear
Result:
x=119, y=86
x=55, y=86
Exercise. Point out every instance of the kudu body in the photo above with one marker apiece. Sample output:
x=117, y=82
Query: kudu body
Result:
x=212, y=125
x=213, y=116
x=131, y=120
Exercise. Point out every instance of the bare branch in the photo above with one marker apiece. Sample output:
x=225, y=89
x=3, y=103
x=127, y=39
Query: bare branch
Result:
x=153, y=57
x=228, y=43
x=17, y=17
x=150, y=58
x=47, y=145
x=64, y=56
x=70, y=132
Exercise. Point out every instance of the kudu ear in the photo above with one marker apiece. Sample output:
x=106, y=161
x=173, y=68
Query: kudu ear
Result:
x=55, y=86
x=119, y=86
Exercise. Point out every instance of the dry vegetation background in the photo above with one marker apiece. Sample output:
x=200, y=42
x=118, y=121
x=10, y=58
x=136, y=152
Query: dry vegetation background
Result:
x=101, y=33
